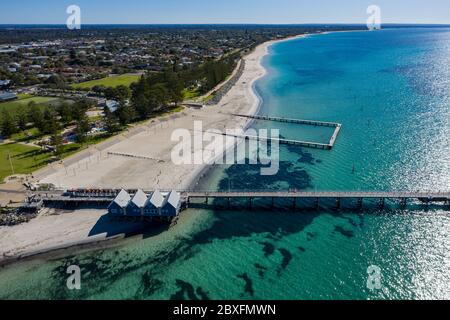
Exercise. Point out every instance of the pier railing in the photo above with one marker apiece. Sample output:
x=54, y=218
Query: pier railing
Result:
x=105, y=195
x=307, y=144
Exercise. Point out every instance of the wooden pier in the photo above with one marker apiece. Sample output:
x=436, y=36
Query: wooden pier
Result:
x=103, y=199
x=308, y=144
x=289, y=120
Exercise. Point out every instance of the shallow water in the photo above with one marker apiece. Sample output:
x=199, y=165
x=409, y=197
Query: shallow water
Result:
x=391, y=92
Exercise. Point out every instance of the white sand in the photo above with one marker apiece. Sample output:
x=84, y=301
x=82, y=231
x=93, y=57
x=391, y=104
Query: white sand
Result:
x=103, y=171
x=48, y=231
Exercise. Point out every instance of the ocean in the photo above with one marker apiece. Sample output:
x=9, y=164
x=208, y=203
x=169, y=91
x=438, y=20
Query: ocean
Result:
x=390, y=89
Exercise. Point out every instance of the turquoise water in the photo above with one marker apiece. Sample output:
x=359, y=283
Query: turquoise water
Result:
x=391, y=92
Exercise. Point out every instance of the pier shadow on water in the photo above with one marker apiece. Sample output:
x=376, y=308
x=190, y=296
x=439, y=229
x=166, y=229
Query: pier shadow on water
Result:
x=110, y=228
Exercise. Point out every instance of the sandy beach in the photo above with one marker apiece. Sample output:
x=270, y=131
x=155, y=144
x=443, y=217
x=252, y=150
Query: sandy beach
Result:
x=103, y=167
x=155, y=168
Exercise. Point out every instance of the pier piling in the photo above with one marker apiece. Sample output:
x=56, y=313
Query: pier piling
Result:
x=104, y=197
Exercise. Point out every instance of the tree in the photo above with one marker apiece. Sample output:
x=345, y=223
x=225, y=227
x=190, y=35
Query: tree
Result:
x=174, y=86
x=111, y=122
x=22, y=118
x=57, y=142
x=122, y=93
x=51, y=125
x=65, y=112
x=126, y=114
x=36, y=116
x=79, y=109
x=83, y=128
x=8, y=127
x=142, y=106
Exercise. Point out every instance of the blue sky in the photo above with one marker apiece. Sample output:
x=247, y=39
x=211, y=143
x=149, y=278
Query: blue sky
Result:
x=223, y=11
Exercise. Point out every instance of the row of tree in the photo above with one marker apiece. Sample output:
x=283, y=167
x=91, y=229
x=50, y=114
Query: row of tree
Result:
x=151, y=94
x=156, y=92
x=208, y=75
x=48, y=120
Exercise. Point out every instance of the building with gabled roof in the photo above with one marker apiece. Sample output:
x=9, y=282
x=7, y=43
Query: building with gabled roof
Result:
x=137, y=204
x=119, y=205
x=172, y=204
x=154, y=204
x=7, y=96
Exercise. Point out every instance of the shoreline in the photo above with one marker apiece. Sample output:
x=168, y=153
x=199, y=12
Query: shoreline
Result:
x=91, y=243
x=257, y=102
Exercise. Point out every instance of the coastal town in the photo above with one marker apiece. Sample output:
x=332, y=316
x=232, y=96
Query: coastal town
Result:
x=61, y=90
x=243, y=155
x=81, y=110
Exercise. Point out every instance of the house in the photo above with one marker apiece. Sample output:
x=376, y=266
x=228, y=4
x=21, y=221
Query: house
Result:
x=119, y=205
x=137, y=204
x=112, y=105
x=154, y=204
x=172, y=204
x=4, y=83
x=44, y=76
x=7, y=96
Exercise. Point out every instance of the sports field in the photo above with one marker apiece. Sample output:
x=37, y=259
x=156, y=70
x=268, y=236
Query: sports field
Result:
x=24, y=159
x=114, y=81
x=12, y=106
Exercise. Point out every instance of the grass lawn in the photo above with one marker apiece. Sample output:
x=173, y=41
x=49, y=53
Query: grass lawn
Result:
x=27, y=135
x=25, y=159
x=114, y=81
x=189, y=93
x=24, y=100
x=208, y=98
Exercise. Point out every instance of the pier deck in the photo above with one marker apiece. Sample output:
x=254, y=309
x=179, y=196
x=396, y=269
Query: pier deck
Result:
x=307, y=144
x=432, y=196
x=60, y=196
x=289, y=120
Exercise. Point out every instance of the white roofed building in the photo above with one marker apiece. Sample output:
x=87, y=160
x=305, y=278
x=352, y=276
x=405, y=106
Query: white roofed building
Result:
x=172, y=204
x=154, y=204
x=119, y=205
x=137, y=204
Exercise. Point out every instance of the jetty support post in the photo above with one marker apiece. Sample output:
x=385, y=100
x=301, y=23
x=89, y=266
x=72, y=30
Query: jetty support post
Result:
x=360, y=203
x=403, y=202
x=381, y=203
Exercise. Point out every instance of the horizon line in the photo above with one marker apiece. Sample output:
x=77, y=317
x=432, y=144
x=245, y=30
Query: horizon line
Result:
x=227, y=24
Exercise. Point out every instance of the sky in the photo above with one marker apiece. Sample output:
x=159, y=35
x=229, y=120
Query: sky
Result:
x=223, y=11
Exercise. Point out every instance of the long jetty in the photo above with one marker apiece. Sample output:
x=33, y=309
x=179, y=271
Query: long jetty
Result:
x=289, y=120
x=308, y=144
x=103, y=197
